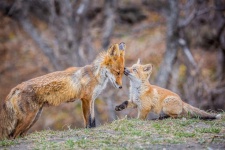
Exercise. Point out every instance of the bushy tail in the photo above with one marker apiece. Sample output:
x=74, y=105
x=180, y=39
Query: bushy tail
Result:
x=7, y=120
x=195, y=112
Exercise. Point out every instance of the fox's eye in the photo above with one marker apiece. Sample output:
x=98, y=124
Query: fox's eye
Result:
x=135, y=70
x=117, y=72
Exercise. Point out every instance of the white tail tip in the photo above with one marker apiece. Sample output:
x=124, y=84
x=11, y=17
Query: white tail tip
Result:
x=218, y=116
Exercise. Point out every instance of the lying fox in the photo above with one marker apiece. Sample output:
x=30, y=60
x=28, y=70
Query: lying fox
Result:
x=150, y=98
x=24, y=104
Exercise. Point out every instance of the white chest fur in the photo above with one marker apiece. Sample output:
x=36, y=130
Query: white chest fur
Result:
x=135, y=94
x=98, y=89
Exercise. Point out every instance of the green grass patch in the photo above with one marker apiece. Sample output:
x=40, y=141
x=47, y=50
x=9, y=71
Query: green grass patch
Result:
x=184, y=134
x=209, y=130
x=69, y=144
x=187, y=122
x=5, y=143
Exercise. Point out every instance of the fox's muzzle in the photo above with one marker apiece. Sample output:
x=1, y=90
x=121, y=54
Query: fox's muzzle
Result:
x=126, y=71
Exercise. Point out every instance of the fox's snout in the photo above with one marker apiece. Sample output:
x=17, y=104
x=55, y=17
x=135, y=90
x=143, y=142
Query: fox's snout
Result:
x=119, y=85
x=126, y=71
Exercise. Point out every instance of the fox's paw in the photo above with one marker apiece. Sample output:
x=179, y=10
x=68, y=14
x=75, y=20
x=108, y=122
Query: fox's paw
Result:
x=120, y=107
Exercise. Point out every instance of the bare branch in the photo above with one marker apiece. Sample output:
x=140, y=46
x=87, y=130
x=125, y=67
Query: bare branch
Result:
x=183, y=23
x=187, y=52
x=171, y=45
x=33, y=33
x=192, y=16
x=218, y=90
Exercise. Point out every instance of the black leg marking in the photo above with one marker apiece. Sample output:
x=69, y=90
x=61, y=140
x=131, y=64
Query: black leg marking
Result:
x=121, y=106
x=161, y=117
x=91, y=122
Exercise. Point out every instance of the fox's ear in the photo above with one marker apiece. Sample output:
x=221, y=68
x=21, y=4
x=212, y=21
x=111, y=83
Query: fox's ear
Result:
x=113, y=50
x=139, y=61
x=122, y=46
x=148, y=67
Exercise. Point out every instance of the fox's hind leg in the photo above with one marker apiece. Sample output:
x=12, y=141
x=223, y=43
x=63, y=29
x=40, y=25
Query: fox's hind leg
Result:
x=38, y=114
x=24, y=123
x=172, y=106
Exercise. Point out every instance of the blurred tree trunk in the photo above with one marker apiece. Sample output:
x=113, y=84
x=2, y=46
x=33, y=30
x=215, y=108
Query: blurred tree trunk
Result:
x=217, y=93
x=221, y=65
x=109, y=13
x=63, y=26
x=174, y=82
x=193, y=78
x=220, y=22
x=68, y=24
x=170, y=55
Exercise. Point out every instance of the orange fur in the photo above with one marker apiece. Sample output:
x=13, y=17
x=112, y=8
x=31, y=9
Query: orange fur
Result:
x=150, y=98
x=24, y=104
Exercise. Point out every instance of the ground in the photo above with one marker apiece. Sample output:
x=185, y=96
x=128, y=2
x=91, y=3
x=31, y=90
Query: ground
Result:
x=130, y=134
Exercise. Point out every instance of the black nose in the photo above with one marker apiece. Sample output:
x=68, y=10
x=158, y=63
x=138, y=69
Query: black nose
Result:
x=126, y=71
x=120, y=87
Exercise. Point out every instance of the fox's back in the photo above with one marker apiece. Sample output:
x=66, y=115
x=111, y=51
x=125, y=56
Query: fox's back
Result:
x=153, y=97
x=163, y=93
x=52, y=88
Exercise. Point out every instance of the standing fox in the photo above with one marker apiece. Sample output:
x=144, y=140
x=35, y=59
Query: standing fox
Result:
x=24, y=104
x=150, y=98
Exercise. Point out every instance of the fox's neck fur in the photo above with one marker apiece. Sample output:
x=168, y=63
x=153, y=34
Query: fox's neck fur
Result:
x=100, y=72
x=94, y=75
x=136, y=87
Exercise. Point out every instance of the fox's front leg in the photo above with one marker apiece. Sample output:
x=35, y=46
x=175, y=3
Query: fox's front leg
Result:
x=125, y=104
x=88, y=113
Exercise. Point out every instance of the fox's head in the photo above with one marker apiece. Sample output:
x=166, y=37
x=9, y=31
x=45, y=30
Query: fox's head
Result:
x=139, y=73
x=114, y=64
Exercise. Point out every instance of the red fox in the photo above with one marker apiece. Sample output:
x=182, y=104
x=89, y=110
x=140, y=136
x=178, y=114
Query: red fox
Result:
x=24, y=104
x=150, y=98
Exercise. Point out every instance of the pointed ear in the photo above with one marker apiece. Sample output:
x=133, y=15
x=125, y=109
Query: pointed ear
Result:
x=148, y=67
x=122, y=53
x=122, y=46
x=113, y=50
x=139, y=61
